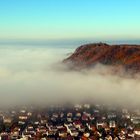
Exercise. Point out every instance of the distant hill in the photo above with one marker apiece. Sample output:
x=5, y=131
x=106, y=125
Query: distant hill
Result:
x=126, y=56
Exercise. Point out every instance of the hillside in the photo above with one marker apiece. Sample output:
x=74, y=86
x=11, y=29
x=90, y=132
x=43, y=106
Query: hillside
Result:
x=127, y=56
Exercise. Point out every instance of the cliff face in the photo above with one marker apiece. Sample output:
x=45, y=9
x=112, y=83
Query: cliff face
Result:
x=89, y=55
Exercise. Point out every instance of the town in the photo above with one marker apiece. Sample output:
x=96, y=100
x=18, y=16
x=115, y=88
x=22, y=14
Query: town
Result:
x=72, y=122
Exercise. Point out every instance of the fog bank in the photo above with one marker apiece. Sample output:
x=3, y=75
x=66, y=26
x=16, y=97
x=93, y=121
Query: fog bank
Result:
x=35, y=75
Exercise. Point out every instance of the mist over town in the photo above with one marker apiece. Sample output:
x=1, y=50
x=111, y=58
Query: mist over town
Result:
x=69, y=70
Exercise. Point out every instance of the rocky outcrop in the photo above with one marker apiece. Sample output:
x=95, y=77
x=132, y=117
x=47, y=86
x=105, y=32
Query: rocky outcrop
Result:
x=127, y=56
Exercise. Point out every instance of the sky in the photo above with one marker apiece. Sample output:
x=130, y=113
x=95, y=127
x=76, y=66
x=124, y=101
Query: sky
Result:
x=69, y=19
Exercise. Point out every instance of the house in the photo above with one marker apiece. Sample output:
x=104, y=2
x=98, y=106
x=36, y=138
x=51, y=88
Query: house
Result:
x=67, y=125
x=91, y=127
x=130, y=135
x=82, y=128
x=70, y=128
x=112, y=124
x=126, y=116
x=77, y=124
x=85, y=117
x=137, y=132
x=69, y=119
x=125, y=111
x=69, y=114
x=86, y=134
x=92, y=117
x=27, y=135
x=41, y=129
x=108, y=137
x=7, y=120
x=78, y=106
x=74, y=133
x=122, y=134
x=78, y=115
x=111, y=115
x=43, y=121
x=135, y=119
x=55, y=115
x=63, y=133
x=87, y=106
x=22, y=119
x=23, y=111
x=4, y=136
x=100, y=124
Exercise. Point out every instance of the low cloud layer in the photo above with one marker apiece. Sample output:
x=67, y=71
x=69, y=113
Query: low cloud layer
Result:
x=34, y=75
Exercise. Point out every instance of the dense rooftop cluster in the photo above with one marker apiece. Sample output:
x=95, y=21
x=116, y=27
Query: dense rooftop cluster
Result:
x=73, y=122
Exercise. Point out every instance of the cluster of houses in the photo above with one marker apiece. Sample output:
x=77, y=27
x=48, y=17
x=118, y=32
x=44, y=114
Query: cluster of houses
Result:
x=74, y=122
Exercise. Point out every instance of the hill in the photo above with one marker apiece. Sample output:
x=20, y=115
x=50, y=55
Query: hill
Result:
x=126, y=56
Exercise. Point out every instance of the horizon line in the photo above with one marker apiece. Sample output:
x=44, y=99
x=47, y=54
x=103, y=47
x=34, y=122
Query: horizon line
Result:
x=76, y=41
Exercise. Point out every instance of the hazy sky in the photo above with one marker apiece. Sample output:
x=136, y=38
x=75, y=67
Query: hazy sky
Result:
x=55, y=19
